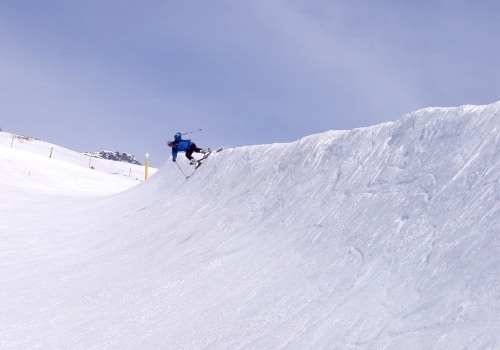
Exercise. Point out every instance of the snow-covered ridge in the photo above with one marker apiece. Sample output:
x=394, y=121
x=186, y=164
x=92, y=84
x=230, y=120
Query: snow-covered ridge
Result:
x=46, y=149
x=116, y=156
x=384, y=237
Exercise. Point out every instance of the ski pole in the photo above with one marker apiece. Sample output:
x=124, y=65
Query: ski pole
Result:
x=181, y=170
x=191, y=132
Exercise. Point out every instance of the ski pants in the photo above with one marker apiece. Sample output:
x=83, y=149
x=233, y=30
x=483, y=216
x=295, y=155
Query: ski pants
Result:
x=193, y=148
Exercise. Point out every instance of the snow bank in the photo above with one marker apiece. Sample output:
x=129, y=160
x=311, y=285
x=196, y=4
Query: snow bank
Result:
x=32, y=173
x=49, y=150
x=380, y=237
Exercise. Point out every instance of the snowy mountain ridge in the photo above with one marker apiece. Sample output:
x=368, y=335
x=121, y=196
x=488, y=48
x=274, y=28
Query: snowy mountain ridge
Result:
x=116, y=156
x=385, y=237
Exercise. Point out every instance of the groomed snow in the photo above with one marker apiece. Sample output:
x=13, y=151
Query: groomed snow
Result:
x=32, y=173
x=50, y=152
x=384, y=237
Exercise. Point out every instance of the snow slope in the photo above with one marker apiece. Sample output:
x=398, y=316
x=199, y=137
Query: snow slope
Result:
x=32, y=173
x=49, y=150
x=384, y=237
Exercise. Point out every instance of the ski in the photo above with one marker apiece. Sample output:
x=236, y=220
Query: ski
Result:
x=209, y=153
x=198, y=163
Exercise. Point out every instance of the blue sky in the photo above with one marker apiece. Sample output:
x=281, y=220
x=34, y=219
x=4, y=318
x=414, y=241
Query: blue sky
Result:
x=127, y=75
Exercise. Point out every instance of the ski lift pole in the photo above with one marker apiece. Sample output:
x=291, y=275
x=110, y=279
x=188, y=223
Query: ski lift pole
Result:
x=191, y=132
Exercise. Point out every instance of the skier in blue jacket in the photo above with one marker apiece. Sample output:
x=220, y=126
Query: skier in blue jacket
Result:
x=180, y=145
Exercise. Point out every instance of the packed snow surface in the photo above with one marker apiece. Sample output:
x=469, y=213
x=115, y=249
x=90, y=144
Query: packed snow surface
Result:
x=49, y=152
x=384, y=237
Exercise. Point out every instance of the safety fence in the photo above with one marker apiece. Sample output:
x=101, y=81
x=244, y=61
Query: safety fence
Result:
x=37, y=146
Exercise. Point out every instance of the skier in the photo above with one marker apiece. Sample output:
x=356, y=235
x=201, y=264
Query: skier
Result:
x=180, y=145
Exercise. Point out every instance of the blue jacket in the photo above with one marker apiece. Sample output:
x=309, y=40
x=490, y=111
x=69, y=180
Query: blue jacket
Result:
x=180, y=145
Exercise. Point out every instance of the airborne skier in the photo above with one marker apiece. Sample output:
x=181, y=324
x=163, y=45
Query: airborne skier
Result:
x=180, y=145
